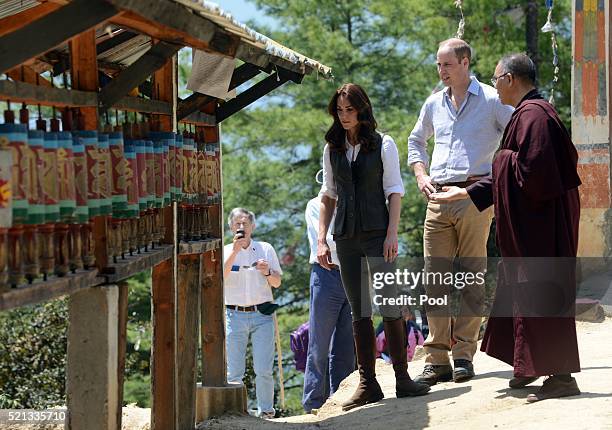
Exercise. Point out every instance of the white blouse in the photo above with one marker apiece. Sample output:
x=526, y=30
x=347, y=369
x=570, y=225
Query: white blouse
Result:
x=392, y=179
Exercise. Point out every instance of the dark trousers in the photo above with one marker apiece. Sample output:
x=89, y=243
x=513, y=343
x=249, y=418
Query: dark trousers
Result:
x=361, y=257
x=331, y=354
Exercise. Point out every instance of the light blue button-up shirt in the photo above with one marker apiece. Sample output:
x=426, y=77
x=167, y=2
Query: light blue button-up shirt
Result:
x=465, y=140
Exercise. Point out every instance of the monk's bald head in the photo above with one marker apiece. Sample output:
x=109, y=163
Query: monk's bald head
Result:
x=459, y=47
x=520, y=66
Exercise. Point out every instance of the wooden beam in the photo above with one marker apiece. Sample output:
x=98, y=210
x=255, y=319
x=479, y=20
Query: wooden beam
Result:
x=188, y=309
x=165, y=88
x=57, y=27
x=257, y=91
x=132, y=265
x=179, y=22
x=59, y=97
x=37, y=94
x=196, y=101
x=137, y=73
x=163, y=349
x=19, y=20
x=199, y=247
x=53, y=288
x=214, y=371
x=121, y=346
x=27, y=74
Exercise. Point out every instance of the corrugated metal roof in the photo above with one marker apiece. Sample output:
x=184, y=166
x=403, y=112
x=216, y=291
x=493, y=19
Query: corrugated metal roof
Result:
x=11, y=7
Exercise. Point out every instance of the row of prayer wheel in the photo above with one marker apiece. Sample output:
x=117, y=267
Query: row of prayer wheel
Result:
x=53, y=183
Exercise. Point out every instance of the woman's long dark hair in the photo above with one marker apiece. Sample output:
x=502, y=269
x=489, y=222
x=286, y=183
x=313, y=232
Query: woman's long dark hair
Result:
x=366, y=133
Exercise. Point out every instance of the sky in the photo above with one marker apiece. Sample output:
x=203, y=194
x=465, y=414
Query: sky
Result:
x=244, y=11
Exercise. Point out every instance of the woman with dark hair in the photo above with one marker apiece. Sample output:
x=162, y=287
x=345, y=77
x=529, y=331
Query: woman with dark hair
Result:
x=361, y=171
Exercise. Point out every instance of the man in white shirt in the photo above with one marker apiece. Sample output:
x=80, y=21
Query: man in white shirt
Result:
x=250, y=271
x=467, y=120
x=331, y=353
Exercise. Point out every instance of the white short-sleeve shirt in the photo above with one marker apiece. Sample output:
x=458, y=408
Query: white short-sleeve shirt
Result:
x=245, y=285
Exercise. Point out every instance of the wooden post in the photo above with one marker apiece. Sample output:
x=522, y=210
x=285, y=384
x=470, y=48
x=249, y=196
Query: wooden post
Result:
x=121, y=345
x=91, y=369
x=163, y=351
x=188, y=305
x=84, y=70
x=92, y=335
x=214, y=373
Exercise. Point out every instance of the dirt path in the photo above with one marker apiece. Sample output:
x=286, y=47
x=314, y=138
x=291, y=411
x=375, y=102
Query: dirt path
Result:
x=483, y=403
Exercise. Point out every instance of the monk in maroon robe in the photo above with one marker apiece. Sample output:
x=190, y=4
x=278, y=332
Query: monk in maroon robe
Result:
x=534, y=187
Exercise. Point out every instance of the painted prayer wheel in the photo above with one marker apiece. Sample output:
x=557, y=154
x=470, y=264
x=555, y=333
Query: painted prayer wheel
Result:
x=178, y=168
x=6, y=218
x=36, y=206
x=119, y=192
x=132, y=182
x=49, y=180
x=82, y=209
x=90, y=142
x=104, y=175
x=67, y=202
x=17, y=137
x=143, y=193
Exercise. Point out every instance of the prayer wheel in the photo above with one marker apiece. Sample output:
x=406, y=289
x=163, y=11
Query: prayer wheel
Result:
x=130, y=228
x=6, y=218
x=17, y=135
x=119, y=193
x=67, y=202
x=36, y=206
x=49, y=180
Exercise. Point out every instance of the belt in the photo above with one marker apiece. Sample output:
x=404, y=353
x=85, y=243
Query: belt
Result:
x=251, y=308
x=331, y=266
x=463, y=184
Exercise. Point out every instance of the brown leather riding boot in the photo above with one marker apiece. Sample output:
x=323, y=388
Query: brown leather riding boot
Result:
x=395, y=333
x=368, y=390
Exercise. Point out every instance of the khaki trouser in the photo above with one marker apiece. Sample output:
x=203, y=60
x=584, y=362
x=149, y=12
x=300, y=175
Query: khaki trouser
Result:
x=455, y=229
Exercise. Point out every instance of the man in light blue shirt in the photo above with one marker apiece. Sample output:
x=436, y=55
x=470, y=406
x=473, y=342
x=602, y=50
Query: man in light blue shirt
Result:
x=466, y=120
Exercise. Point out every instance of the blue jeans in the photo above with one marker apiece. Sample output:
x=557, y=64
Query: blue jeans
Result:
x=239, y=326
x=331, y=353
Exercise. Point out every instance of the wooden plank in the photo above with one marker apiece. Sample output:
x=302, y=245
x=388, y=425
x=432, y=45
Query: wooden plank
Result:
x=53, y=288
x=121, y=346
x=57, y=27
x=212, y=326
x=200, y=118
x=132, y=265
x=255, y=92
x=163, y=350
x=139, y=104
x=59, y=97
x=165, y=88
x=196, y=101
x=19, y=20
x=179, y=22
x=25, y=73
x=137, y=73
x=199, y=247
x=36, y=94
x=155, y=30
x=188, y=309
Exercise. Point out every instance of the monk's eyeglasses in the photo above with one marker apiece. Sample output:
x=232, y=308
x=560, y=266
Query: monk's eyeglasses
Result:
x=495, y=78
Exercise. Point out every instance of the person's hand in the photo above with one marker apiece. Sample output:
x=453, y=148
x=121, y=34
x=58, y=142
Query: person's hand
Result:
x=424, y=184
x=263, y=266
x=324, y=255
x=449, y=194
x=390, y=247
x=240, y=242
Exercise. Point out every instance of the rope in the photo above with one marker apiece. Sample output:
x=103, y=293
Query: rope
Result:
x=461, y=26
x=550, y=28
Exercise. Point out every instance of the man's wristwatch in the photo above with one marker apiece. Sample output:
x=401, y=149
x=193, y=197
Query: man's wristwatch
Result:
x=269, y=273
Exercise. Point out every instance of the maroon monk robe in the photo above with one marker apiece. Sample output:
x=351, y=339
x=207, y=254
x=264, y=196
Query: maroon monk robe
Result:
x=534, y=188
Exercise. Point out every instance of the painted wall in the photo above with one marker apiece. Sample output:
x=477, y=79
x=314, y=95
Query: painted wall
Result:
x=591, y=123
